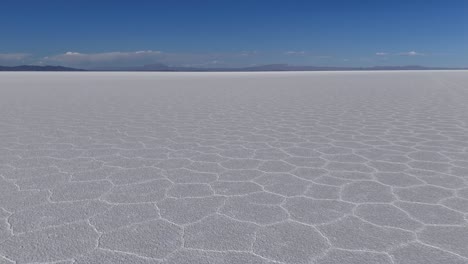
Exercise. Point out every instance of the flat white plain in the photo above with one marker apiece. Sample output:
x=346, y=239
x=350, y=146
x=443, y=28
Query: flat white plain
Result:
x=271, y=167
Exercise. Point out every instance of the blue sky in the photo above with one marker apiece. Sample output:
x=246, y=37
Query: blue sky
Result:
x=208, y=33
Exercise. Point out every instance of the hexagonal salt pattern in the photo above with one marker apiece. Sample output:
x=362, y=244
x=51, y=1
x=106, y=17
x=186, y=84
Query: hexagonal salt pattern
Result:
x=228, y=168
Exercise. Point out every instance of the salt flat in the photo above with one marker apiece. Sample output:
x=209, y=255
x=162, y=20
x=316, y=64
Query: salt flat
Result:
x=293, y=167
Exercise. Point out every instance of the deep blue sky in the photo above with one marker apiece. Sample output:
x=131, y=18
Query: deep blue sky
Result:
x=234, y=33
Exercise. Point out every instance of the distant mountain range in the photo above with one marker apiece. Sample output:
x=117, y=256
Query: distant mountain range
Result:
x=37, y=68
x=269, y=67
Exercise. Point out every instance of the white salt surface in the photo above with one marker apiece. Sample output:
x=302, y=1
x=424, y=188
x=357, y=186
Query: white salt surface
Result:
x=289, y=167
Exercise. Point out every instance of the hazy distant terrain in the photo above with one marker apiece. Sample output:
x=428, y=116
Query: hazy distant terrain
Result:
x=259, y=68
x=37, y=68
x=284, y=167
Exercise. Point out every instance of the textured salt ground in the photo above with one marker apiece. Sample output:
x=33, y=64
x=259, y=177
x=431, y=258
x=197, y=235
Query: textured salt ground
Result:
x=295, y=167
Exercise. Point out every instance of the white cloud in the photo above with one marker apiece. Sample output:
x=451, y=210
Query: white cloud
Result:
x=144, y=57
x=407, y=53
x=248, y=53
x=411, y=53
x=72, y=53
x=292, y=52
x=13, y=58
x=77, y=58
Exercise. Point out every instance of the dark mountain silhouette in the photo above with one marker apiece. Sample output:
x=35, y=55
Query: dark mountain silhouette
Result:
x=37, y=68
x=269, y=67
